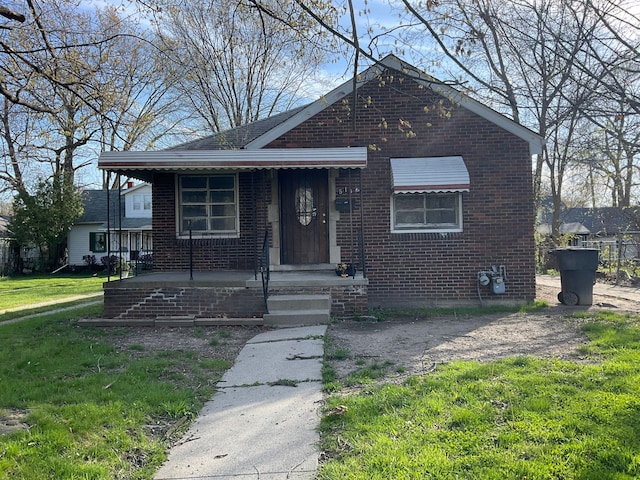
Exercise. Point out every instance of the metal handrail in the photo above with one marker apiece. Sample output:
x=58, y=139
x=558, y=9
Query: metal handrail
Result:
x=264, y=269
x=361, y=253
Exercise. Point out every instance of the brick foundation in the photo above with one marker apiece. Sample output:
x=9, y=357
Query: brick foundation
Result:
x=196, y=302
x=151, y=302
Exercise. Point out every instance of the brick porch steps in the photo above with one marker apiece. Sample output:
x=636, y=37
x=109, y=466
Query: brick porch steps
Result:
x=290, y=310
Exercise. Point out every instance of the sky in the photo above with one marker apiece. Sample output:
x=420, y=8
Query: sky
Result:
x=331, y=74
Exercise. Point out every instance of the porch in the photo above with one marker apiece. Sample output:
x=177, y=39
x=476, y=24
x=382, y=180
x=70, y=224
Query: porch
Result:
x=224, y=297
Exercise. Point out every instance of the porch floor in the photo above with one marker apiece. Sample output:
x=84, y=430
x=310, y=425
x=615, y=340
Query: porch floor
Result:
x=239, y=278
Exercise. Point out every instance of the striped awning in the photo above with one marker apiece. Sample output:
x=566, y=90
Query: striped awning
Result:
x=180, y=160
x=429, y=174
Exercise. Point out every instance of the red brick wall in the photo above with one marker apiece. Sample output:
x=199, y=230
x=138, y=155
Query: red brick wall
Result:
x=498, y=216
x=197, y=302
x=397, y=119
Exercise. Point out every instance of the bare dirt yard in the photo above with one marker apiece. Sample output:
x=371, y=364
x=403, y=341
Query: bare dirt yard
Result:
x=413, y=346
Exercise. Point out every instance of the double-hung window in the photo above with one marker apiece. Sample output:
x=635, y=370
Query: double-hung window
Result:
x=142, y=202
x=208, y=205
x=427, y=194
x=427, y=211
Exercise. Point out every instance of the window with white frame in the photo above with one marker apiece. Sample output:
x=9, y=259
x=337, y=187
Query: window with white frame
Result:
x=142, y=202
x=427, y=212
x=208, y=204
x=427, y=194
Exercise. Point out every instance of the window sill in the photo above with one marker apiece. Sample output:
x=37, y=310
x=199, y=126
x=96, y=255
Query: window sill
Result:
x=427, y=231
x=207, y=236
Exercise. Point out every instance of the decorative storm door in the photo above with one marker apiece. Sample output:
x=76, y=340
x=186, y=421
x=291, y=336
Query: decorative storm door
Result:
x=304, y=216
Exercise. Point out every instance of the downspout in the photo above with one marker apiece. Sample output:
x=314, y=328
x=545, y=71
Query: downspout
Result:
x=351, y=223
x=119, y=224
x=362, y=249
x=108, y=225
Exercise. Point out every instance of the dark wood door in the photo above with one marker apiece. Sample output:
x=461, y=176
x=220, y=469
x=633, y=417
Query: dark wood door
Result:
x=304, y=216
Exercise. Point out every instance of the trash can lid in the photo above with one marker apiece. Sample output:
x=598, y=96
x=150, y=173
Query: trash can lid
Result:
x=576, y=258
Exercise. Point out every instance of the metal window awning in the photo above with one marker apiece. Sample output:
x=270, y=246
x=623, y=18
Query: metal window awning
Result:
x=142, y=163
x=429, y=174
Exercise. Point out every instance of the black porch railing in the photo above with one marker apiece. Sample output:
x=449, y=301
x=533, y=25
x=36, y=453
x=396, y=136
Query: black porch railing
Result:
x=363, y=263
x=265, y=269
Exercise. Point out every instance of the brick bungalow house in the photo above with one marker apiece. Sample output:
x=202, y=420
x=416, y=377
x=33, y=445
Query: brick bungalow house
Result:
x=425, y=191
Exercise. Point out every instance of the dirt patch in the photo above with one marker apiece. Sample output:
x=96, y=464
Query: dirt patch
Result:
x=223, y=342
x=12, y=420
x=410, y=346
x=415, y=346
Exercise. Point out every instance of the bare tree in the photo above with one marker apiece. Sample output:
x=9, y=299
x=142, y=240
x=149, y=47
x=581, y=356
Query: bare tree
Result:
x=73, y=79
x=237, y=66
x=551, y=65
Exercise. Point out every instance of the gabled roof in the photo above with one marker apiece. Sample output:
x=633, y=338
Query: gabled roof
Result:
x=603, y=221
x=536, y=142
x=235, y=148
x=95, y=211
x=129, y=190
x=574, y=228
x=238, y=137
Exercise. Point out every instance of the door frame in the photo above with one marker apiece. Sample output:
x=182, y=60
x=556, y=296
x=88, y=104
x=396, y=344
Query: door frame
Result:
x=273, y=217
x=304, y=233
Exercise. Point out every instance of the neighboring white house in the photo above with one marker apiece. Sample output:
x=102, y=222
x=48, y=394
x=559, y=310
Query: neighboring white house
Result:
x=129, y=225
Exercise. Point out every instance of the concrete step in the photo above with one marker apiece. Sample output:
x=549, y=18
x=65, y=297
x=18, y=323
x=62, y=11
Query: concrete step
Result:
x=299, y=302
x=298, y=310
x=297, y=317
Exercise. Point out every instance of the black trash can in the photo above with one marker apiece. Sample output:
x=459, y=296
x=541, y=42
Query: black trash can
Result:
x=577, y=274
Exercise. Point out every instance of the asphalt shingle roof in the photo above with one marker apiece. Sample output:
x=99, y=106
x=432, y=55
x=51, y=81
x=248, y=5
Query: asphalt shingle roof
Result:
x=600, y=221
x=95, y=210
x=238, y=137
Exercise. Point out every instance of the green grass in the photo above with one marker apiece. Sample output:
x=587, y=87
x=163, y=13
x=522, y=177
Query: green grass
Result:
x=28, y=290
x=92, y=409
x=519, y=418
x=61, y=304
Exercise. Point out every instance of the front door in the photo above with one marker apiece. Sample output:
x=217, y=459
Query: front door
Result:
x=304, y=209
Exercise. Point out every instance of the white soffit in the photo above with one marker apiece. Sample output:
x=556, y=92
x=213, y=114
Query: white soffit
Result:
x=429, y=174
x=194, y=160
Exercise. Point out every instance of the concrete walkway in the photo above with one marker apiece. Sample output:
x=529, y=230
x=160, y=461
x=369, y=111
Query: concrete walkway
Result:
x=263, y=421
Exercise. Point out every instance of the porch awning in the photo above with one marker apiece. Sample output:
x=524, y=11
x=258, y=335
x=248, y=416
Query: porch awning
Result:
x=204, y=160
x=429, y=174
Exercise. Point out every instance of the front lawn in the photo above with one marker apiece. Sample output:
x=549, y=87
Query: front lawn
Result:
x=95, y=406
x=520, y=418
x=28, y=290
